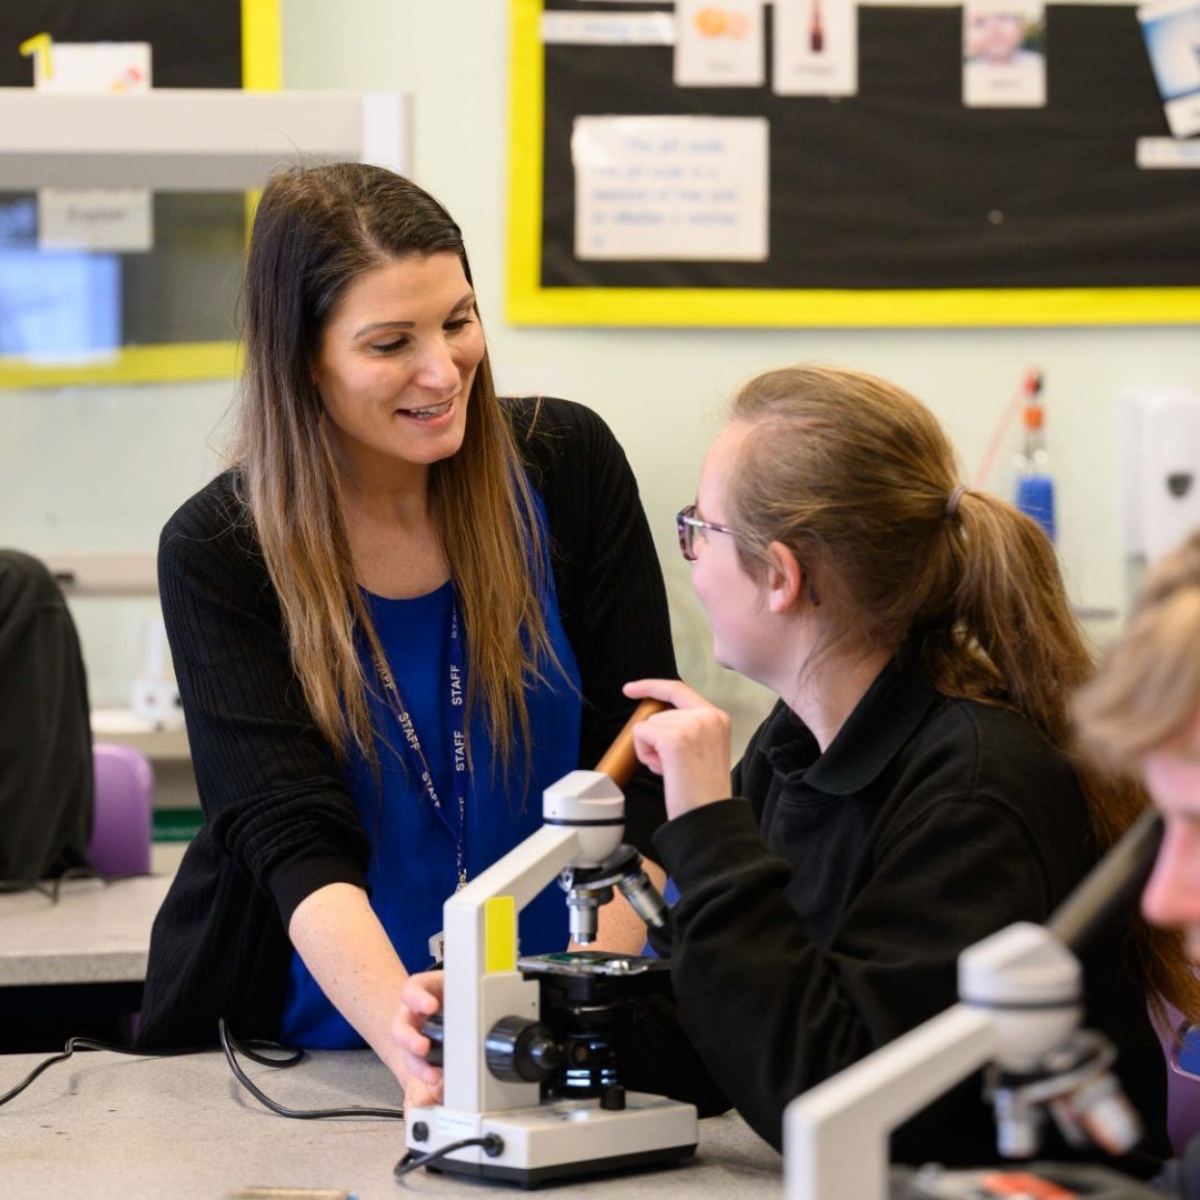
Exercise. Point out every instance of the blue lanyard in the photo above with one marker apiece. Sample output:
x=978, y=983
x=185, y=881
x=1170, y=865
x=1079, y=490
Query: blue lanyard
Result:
x=456, y=712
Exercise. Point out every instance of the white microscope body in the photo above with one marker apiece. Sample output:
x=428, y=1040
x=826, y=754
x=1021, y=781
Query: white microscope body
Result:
x=836, y=1134
x=541, y=1141
x=1020, y=1009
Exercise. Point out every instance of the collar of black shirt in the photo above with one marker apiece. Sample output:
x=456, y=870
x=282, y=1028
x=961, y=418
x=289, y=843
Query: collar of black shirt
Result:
x=889, y=713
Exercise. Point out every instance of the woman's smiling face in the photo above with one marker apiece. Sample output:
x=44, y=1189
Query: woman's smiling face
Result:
x=397, y=362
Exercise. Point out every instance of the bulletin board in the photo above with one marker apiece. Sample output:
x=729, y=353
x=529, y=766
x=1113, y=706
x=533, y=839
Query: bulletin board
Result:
x=894, y=207
x=218, y=44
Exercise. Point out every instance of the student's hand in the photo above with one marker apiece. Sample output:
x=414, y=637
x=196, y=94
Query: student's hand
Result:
x=688, y=745
x=420, y=997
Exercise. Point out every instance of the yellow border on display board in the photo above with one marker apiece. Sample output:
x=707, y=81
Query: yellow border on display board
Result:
x=529, y=303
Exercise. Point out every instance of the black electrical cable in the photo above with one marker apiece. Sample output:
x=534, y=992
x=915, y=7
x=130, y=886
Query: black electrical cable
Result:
x=279, y=1056
x=290, y=1058
x=50, y=887
x=10, y=887
x=81, y=1043
x=492, y=1143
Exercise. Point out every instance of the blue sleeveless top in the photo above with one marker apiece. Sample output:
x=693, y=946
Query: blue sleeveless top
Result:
x=413, y=870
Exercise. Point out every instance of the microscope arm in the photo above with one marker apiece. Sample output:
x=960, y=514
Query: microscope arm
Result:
x=832, y=1143
x=480, y=929
x=836, y=1134
x=1112, y=887
x=494, y=1122
x=584, y=816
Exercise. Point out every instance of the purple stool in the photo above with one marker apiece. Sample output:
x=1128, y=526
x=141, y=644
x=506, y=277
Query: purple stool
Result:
x=123, y=820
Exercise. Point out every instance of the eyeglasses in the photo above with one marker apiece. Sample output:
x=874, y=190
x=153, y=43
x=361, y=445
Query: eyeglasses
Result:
x=686, y=524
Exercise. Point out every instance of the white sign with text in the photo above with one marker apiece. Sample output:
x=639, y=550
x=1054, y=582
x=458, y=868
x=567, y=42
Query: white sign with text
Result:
x=671, y=188
x=110, y=219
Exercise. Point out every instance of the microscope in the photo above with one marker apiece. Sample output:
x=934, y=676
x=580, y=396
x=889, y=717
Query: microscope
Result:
x=531, y=1089
x=1020, y=1009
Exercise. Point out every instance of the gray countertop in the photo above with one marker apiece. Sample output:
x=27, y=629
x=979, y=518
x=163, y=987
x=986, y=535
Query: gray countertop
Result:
x=93, y=933
x=104, y=1126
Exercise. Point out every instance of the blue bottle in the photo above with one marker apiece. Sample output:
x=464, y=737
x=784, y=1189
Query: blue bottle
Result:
x=1035, y=486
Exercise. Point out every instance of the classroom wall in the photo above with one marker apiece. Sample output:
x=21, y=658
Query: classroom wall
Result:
x=662, y=390
x=66, y=457
x=102, y=468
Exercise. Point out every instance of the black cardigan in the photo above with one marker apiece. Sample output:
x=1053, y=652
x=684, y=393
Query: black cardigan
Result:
x=279, y=822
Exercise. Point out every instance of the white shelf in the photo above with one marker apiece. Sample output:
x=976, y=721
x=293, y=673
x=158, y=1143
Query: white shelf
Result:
x=201, y=139
x=122, y=725
x=103, y=572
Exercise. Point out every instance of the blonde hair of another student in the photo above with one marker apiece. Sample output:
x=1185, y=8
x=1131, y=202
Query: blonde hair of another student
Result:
x=1147, y=689
x=856, y=477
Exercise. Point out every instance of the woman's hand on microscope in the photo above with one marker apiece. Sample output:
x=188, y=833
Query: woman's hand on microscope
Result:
x=420, y=998
x=688, y=745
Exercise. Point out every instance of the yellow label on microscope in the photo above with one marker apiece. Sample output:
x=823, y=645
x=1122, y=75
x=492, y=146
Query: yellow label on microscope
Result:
x=500, y=933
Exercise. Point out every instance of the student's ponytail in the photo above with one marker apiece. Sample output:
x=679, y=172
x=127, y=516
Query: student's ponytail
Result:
x=1012, y=620
x=858, y=479
x=1009, y=606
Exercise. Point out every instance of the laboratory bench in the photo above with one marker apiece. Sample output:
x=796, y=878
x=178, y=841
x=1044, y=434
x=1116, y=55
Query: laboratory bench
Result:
x=79, y=931
x=113, y=1127
x=73, y=958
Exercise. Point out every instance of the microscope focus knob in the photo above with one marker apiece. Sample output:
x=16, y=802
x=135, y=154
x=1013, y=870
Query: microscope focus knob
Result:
x=435, y=1030
x=518, y=1050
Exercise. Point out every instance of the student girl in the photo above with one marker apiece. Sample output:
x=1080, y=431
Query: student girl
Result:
x=910, y=793
x=405, y=609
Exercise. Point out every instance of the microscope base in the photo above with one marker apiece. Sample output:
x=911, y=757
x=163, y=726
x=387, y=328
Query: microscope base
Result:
x=561, y=1139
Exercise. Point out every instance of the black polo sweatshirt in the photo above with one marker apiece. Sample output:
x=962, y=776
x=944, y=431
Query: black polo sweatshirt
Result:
x=822, y=915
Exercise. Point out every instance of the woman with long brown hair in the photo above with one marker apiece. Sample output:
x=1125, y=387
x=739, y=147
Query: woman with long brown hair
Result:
x=912, y=791
x=405, y=609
